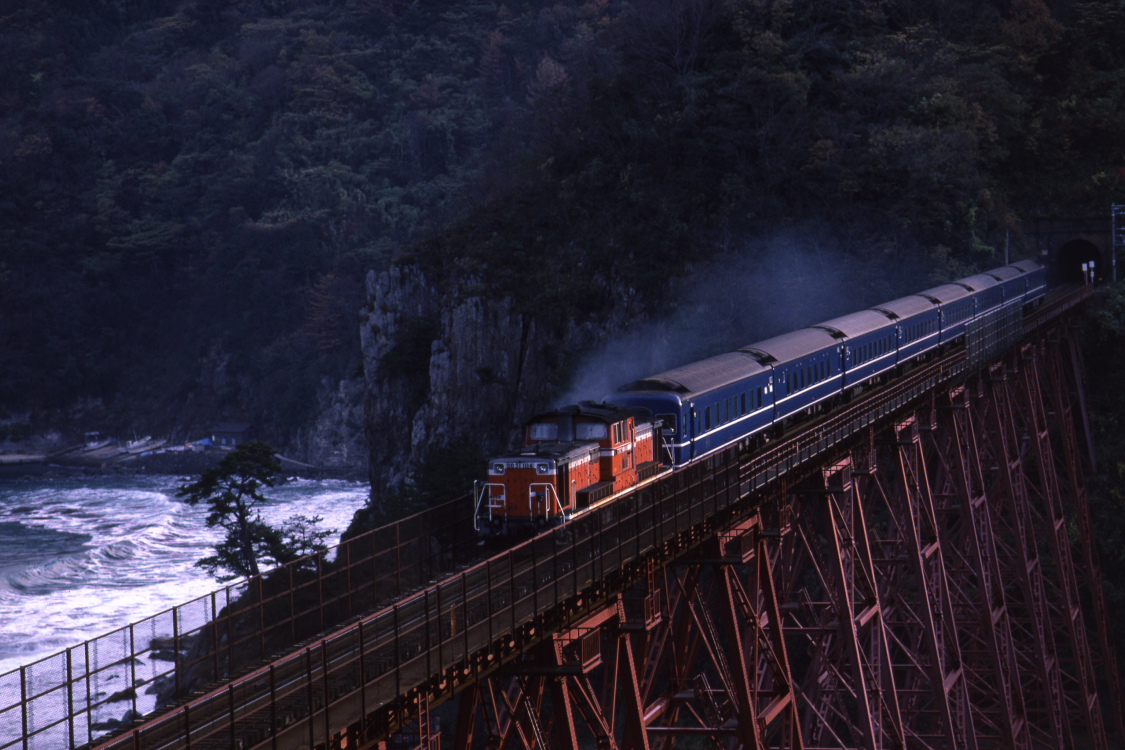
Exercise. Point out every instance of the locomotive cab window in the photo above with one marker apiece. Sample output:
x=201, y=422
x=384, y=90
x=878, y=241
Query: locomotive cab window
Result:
x=544, y=431
x=591, y=431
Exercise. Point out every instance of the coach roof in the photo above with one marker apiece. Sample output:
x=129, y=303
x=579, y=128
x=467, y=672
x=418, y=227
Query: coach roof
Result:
x=905, y=307
x=857, y=323
x=790, y=346
x=701, y=377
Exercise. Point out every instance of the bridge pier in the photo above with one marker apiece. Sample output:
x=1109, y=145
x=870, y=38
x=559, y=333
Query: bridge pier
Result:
x=921, y=589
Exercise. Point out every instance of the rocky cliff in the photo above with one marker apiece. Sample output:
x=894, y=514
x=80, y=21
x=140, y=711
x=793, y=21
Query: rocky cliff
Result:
x=444, y=360
x=336, y=438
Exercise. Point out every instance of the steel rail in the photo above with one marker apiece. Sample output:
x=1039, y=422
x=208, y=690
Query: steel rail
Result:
x=451, y=633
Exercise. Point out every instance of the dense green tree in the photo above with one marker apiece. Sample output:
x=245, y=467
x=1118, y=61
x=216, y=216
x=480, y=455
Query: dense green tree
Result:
x=233, y=493
x=194, y=191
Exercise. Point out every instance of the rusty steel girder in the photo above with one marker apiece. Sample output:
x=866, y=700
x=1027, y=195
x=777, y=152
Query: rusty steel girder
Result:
x=920, y=591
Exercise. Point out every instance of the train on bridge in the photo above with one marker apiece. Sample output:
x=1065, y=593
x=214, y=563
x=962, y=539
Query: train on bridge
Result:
x=578, y=457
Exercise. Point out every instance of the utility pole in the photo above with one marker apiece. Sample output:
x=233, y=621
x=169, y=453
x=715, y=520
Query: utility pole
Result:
x=1118, y=232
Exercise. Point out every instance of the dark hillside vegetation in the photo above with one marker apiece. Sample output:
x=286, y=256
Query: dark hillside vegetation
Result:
x=193, y=191
x=915, y=137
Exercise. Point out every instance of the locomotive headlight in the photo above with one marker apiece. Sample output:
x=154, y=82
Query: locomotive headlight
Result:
x=542, y=468
x=497, y=468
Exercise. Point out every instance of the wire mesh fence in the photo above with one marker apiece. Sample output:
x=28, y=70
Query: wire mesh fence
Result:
x=108, y=683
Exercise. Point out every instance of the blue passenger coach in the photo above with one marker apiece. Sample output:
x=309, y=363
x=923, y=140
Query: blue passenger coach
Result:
x=807, y=369
x=988, y=293
x=918, y=323
x=708, y=405
x=870, y=345
x=1013, y=283
x=957, y=307
x=705, y=405
x=1035, y=276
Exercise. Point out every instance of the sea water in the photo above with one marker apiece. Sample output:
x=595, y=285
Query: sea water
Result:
x=80, y=557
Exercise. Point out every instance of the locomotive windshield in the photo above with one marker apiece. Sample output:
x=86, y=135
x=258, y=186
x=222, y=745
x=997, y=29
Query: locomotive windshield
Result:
x=591, y=431
x=544, y=431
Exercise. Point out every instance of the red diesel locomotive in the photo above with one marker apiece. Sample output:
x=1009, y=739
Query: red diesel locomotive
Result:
x=571, y=459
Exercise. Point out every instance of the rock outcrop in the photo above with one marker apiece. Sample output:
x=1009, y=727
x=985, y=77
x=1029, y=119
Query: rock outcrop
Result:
x=445, y=360
x=336, y=438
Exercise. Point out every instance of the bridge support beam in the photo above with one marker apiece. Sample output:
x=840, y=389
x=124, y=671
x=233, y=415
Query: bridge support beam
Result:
x=920, y=590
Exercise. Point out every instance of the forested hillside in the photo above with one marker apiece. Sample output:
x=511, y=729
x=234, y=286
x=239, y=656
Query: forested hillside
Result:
x=193, y=191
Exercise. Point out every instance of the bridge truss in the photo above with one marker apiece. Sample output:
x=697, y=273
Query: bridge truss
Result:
x=916, y=570
x=934, y=585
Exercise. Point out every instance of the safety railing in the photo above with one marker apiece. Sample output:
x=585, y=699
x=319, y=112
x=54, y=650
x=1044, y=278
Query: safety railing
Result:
x=310, y=695
x=306, y=697
x=107, y=684
x=336, y=681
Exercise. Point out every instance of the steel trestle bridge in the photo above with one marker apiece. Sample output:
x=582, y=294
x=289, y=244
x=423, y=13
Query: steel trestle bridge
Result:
x=915, y=570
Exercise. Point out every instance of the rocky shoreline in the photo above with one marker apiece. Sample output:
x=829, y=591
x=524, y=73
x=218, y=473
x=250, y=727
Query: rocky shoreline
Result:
x=37, y=466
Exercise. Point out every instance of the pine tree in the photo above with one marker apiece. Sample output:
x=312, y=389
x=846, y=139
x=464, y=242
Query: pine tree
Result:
x=233, y=491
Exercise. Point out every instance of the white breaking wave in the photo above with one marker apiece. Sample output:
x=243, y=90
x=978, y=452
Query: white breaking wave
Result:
x=82, y=557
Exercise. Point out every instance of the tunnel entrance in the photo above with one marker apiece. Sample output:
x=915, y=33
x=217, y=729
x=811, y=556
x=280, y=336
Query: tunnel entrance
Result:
x=1071, y=256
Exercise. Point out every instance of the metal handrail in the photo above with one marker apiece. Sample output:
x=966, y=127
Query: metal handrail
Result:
x=441, y=625
x=72, y=697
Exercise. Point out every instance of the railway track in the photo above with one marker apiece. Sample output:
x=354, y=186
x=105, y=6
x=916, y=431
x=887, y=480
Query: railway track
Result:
x=444, y=636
